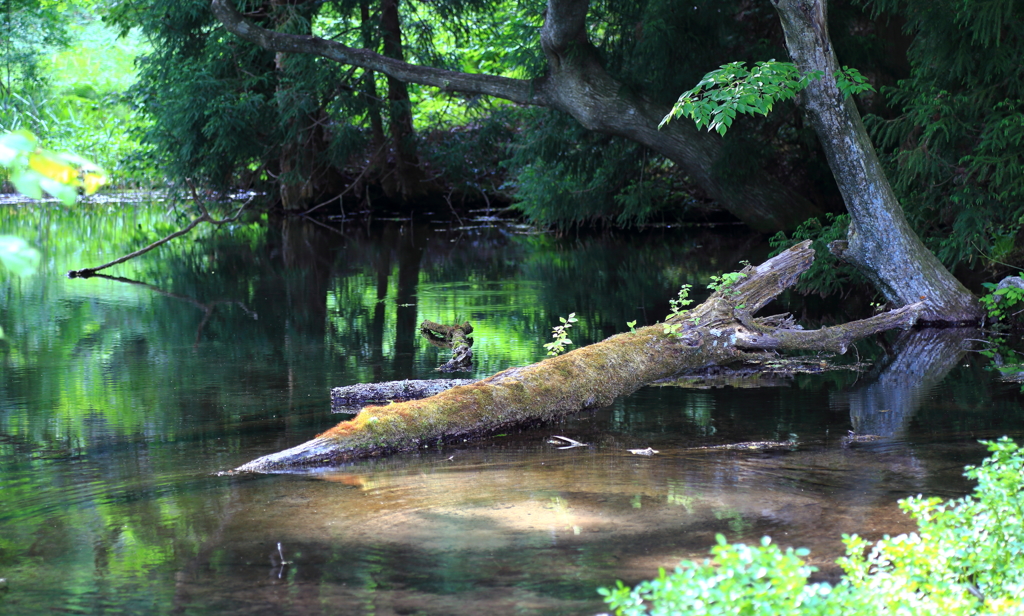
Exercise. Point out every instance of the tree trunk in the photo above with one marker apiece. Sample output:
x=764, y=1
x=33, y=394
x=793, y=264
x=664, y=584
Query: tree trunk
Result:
x=407, y=180
x=577, y=84
x=370, y=84
x=718, y=332
x=880, y=242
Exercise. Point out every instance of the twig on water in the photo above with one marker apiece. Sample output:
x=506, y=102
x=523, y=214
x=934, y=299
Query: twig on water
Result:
x=571, y=443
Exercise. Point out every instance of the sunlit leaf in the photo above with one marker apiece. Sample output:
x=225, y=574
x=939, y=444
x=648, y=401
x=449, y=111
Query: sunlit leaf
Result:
x=14, y=144
x=92, y=181
x=53, y=167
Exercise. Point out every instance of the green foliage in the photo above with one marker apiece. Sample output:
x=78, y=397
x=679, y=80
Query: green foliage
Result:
x=560, y=335
x=827, y=275
x=17, y=256
x=632, y=326
x=726, y=282
x=967, y=557
x=562, y=175
x=227, y=113
x=72, y=97
x=33, y=170
x=1002, y=301
x=30, y=29
x=737, y=580
x=733, y=88
x=955, y=150
x=677, y=308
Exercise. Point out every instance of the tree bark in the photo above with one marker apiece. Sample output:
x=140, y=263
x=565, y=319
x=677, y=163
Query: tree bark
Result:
x=577, y=84
x=718, y=332
x=880, y=242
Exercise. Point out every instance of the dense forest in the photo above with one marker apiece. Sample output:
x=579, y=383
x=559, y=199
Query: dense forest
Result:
x=229, y=115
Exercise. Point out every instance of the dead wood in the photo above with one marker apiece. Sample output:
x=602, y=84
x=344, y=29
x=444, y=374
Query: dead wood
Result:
x=354, y=397
x=721, y=331
x=454, y=337
x=205, y=216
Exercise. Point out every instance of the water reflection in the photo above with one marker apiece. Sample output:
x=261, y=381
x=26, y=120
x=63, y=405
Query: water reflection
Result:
x=118, y=400
x=918, y=361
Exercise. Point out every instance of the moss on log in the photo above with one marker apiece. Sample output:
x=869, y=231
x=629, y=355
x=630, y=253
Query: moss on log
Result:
x=721, y=331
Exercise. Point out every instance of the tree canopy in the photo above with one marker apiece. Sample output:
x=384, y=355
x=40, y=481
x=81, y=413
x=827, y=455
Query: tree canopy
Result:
x=556, y=106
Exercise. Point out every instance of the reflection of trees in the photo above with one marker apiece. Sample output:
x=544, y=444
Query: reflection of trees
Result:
x=207, y=308
x=920, y=359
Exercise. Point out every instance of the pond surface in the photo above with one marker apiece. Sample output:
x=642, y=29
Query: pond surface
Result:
x=121, y=398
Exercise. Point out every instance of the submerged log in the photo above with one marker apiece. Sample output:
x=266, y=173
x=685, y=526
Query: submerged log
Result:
x=721, y=331
x=454, y=337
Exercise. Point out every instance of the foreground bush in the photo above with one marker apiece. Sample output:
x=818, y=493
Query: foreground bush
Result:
x=966, y=558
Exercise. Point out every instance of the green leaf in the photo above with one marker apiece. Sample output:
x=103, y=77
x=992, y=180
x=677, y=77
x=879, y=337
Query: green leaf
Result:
x=13, y=145
x=66, y=193
x=27, y=182
x=17, y=256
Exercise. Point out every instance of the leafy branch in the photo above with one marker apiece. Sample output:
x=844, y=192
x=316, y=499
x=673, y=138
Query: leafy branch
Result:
x=734, y=88
x=33, y=170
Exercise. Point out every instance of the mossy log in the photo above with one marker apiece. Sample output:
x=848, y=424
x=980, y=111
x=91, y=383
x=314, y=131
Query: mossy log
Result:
x=721, y=331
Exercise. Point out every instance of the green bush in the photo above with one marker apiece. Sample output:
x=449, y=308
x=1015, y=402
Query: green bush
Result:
x=967, y=557
x=827, y=274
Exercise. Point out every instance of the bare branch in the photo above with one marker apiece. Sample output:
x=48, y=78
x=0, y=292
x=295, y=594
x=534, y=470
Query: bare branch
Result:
x=88, y=272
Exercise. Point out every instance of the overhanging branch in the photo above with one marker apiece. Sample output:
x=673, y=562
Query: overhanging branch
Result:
x=522, y=91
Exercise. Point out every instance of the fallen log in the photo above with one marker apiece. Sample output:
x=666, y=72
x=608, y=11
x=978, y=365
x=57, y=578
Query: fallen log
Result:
x=352, y=398
x=721, y=331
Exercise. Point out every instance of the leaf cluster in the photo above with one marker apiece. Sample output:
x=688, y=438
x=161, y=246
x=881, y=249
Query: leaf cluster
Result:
x=560, y=335
x=1003, y=300
x=726, y=282
x=34, y=170
x=678, y=307
x=735, y=89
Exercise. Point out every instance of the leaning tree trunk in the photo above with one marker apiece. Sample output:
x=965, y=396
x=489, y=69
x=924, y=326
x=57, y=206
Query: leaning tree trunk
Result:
x=880, y=242
x=578, y=84
x=718, y=332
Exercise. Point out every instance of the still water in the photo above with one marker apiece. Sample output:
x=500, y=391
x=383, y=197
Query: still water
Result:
x=120, y=398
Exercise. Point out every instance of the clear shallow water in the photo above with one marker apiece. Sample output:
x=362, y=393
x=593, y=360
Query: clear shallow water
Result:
x=119, y=401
